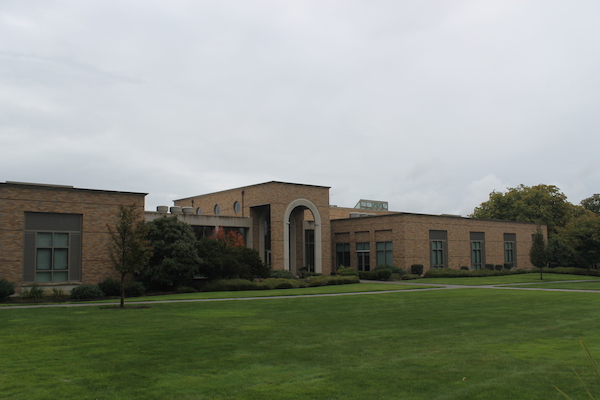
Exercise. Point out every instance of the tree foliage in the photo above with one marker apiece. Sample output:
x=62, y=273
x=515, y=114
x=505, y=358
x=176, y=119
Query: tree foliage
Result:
x=592, y=203
x=582, y=235
x=128, y=248
x=175, y=260
x=538, y=254
x=541, y=204
x=224, y=256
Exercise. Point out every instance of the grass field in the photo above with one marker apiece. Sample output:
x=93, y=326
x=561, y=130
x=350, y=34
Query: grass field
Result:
x=443, y=344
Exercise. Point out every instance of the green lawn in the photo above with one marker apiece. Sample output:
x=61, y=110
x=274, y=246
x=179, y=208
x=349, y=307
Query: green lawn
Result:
x=588, y=285
x=506, y=279
x=443, y=344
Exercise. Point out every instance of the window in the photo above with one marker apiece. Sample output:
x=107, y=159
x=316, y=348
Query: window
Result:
x=309, y=249
x=477, y=250
x=510, y=245
x=236, y=207
x=342, y=254
x=363, y=253
x=52, y=257
x=217, y=209
x=385, y=254
x=437, y=244
x=52, y=250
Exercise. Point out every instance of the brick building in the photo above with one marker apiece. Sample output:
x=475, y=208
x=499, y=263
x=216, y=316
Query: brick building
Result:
x=57, y=235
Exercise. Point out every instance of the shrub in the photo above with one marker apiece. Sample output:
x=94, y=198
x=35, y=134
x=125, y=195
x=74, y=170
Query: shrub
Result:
x=383, y=274
x=35, y=292
x=489, y=266
x=367, y=275
x=508, y=266
x=347, y=271
x=6, y=289
x=282, y=274
x=464, y=268
x=222, y=285
x=409, y=277
x=417, y=269
x=391, y=268
x=134, y=289
x=499, y=267
x=59, y=294
x=332, y=280
x=110, y=287
x=86, y=292
x=185, y=289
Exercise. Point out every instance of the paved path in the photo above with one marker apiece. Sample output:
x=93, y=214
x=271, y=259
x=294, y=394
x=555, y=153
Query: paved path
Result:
x=432, y=286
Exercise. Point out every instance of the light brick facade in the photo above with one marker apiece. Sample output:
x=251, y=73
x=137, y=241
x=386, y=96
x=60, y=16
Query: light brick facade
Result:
x=291, y=225
x=96, y=207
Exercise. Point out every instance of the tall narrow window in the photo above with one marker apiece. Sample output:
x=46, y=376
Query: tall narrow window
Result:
x=385, y=254
x=510, y=244
x=437, y=244
x=477, y=250
x=363, y=255
x=309, y=249
x=342, y=255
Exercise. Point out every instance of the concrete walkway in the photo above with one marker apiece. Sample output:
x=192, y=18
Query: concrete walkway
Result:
x=433, y=286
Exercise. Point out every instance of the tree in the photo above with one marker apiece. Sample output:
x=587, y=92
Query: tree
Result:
x=128, y=249
x=538, y=254
x=224, y=256
x=583, y=236
x=592, y=203
x=175, y=260
x=542, y=204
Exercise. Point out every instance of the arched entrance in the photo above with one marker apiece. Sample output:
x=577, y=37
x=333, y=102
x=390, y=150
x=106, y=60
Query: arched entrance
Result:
x=311, y=231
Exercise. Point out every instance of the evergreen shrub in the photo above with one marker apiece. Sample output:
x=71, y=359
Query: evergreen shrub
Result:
x=134, y=289
x=110, y=287
x=417, y=269
x=86, y=292
x=347, y=271
x=185, y=289
x=282, y=274
x=409, y=277
x=6, y=289
x=383, y=274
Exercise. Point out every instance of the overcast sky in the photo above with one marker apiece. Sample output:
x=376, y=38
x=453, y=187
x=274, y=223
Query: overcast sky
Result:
x=429, y=105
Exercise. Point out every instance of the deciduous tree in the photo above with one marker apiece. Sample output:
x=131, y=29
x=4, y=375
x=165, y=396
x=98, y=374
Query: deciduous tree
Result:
x=128, y=248
x=538, y=254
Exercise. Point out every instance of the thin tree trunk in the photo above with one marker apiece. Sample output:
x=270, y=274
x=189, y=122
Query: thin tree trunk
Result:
x=122, y=290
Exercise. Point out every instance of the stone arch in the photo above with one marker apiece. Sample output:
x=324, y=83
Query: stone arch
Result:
x=318, y=234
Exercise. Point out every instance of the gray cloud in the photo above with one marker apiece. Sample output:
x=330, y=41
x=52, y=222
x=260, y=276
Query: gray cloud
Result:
x=429, y=105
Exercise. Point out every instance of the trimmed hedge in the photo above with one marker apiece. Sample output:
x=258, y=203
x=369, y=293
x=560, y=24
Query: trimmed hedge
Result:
x=417, y=269
x=459, y=273
x=223, y=285
x=110, y=287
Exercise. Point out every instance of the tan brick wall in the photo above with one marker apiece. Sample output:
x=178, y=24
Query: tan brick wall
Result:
x=96, y=207
x=278, y=195
x=410, y=236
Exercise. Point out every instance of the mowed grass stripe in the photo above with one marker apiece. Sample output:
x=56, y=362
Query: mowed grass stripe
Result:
x=467, y=344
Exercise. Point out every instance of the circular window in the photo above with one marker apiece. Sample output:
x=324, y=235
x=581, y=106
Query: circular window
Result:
x=217, y=209
x=236, y=207
x=198, y=211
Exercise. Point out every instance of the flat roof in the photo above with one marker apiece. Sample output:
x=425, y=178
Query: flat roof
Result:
x=257, y=184
x=49, y=186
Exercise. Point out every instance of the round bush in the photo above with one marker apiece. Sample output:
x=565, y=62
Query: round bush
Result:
x=86, y=292
x=110, y=287
x=383, y=274
x=6, y=289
